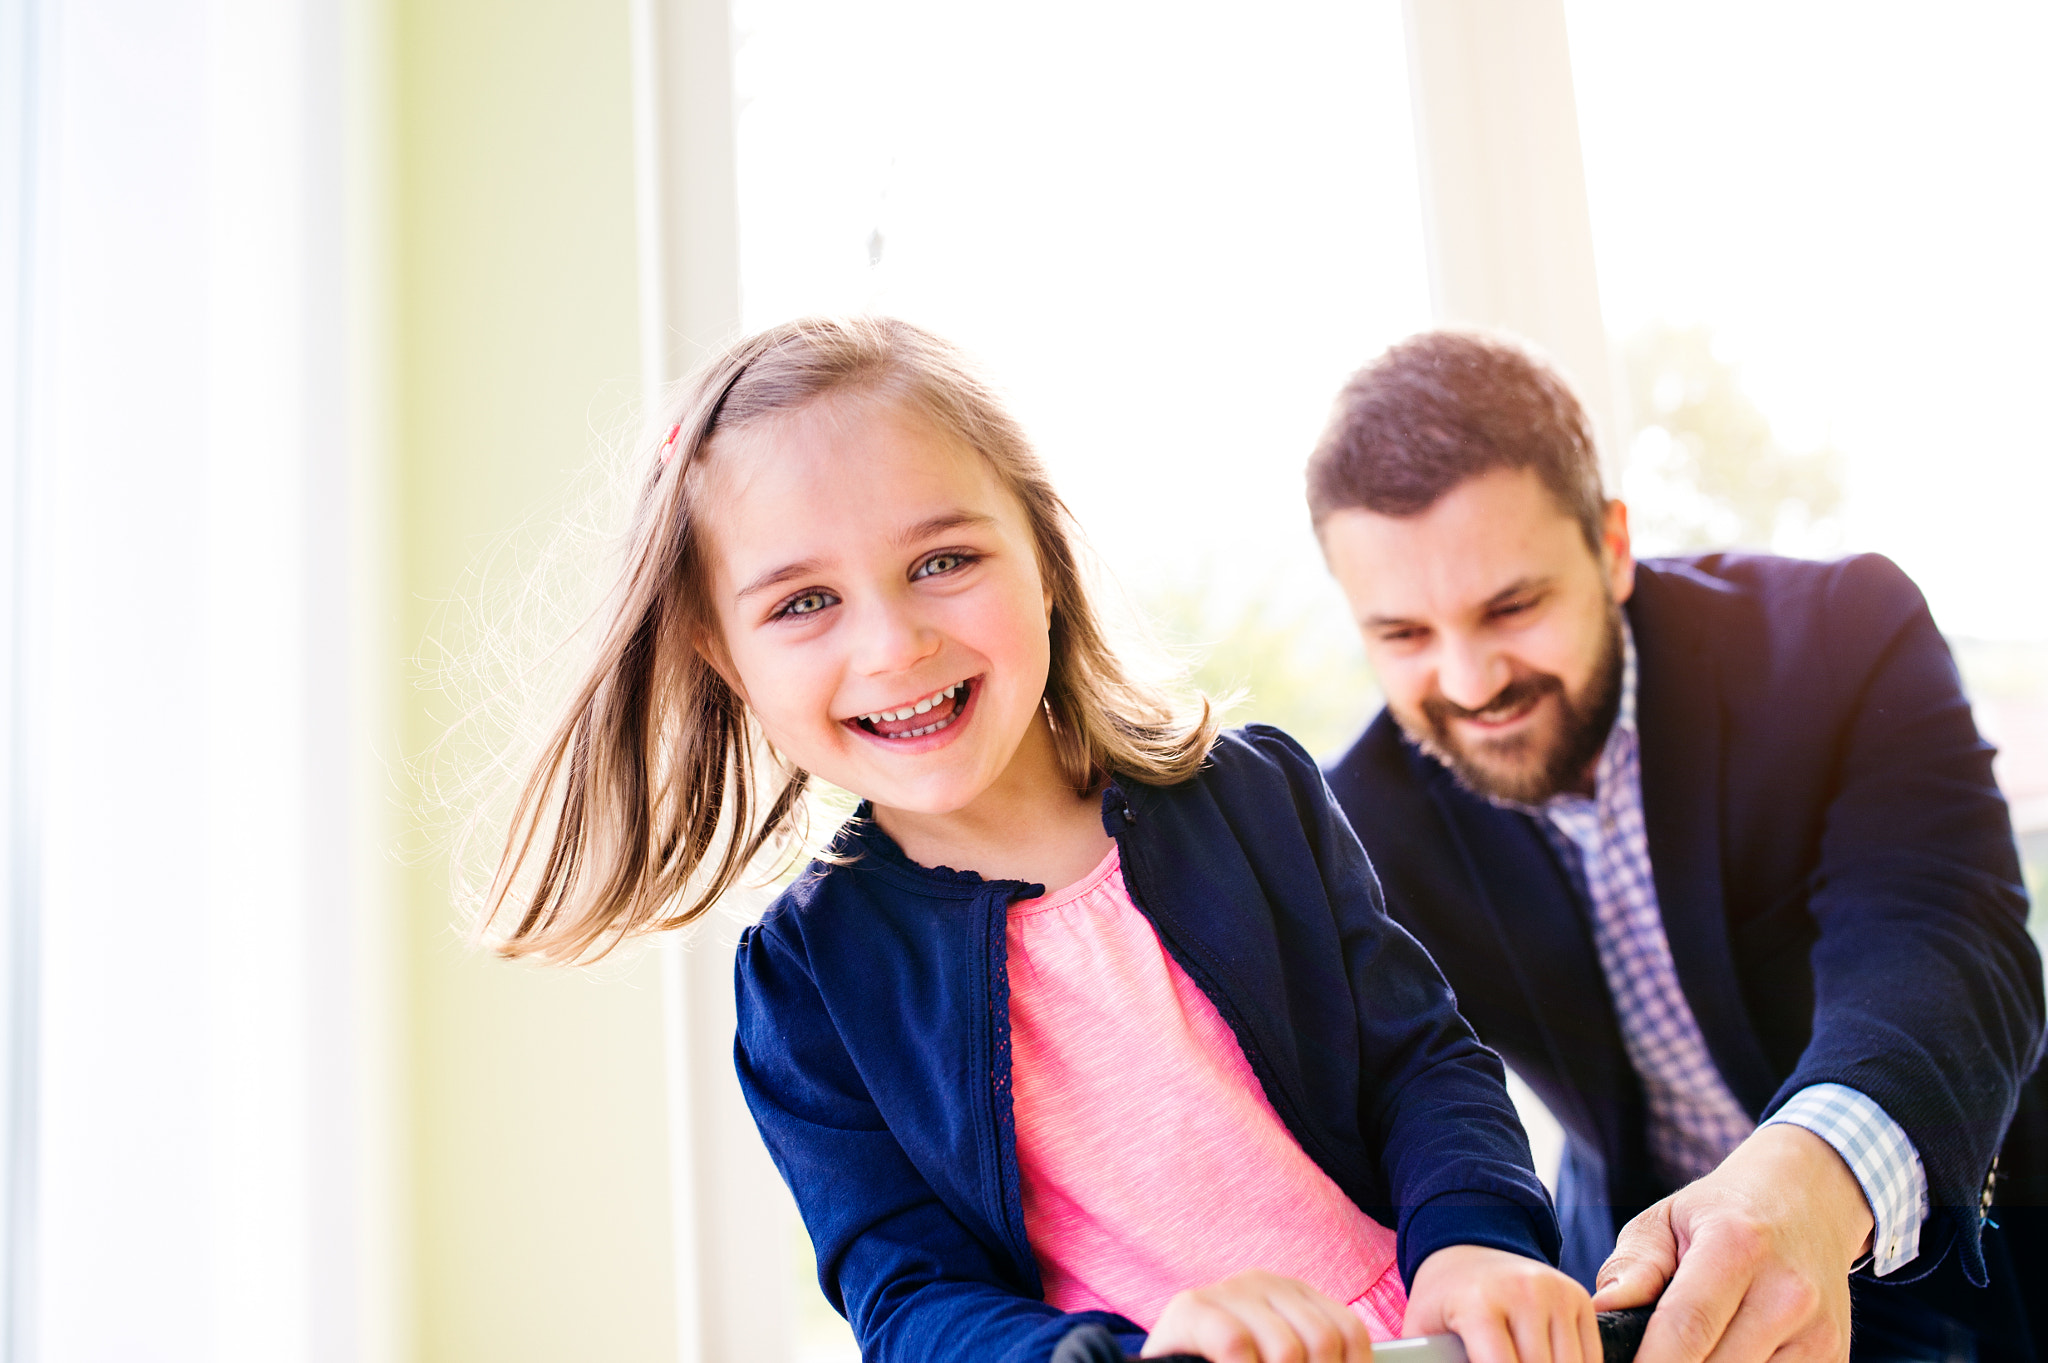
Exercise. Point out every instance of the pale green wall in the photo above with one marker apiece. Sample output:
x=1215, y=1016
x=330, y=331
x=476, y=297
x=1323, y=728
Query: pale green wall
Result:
x=536, y=1182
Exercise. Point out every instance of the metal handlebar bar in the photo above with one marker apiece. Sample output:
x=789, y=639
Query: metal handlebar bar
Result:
x=1621, y=1333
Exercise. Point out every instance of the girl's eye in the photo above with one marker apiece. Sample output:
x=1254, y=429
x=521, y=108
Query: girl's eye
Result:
x=804, y=603
x=948, y=562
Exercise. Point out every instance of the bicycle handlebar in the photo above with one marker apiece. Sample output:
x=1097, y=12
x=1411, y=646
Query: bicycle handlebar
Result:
x=1621, y=1333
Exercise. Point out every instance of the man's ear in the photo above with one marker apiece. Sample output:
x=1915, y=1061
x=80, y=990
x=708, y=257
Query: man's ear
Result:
x=1617, y=558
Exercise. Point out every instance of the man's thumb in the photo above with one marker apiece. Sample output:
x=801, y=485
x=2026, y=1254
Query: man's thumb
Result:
x=1626, y=1281
x=1645, y=1256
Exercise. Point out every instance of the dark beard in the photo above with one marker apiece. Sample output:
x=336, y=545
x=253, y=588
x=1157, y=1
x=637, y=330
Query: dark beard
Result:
x=1583, y=734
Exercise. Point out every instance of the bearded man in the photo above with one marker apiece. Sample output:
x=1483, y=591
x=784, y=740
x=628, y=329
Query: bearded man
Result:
x=1711, y=851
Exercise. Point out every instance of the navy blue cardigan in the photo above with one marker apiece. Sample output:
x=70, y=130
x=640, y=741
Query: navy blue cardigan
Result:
x=873, y=1047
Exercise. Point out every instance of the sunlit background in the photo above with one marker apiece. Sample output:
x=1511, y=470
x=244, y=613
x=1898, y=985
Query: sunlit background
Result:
x=320, y=315
x=1815, y=243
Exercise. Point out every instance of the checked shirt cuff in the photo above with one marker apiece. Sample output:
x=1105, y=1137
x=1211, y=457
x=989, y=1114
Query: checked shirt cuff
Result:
x=1880, y=1156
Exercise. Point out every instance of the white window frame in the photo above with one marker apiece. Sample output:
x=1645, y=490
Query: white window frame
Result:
x=1509, y=234
x=195, y=1070
x=18, y=807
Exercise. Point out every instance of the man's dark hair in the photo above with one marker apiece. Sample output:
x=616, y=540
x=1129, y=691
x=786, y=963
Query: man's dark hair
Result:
x=1444, y=406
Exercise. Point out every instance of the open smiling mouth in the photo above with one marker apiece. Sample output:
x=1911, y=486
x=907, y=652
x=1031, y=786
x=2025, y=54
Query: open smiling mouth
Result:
x=926, y=715
x=1502, y=715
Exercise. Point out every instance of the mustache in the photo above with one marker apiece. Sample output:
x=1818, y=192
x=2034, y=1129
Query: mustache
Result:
x=1440, y=710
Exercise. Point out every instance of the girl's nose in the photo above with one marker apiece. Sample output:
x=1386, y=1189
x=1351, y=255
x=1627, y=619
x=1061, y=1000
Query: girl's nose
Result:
x=892, y=639
x=1469, y=674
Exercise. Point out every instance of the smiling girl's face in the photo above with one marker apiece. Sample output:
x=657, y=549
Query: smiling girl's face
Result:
x=880, y=606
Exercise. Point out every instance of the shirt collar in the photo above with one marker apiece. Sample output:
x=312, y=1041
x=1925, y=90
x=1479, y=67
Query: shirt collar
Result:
x=1625, y=717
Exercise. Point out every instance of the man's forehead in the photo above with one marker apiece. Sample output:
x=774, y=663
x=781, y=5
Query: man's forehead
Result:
x=1488, y=536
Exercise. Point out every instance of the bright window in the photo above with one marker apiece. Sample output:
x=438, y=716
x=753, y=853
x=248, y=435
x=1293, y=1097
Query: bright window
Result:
x=1844, y=210
x=1171, y=231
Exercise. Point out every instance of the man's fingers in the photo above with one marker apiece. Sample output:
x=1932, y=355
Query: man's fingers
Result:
x=1787, y=1311
x=1629, y=1283
x=1703, y=1296
x=1767, y=1239
x=1684, y=1330
x=1645, y=1258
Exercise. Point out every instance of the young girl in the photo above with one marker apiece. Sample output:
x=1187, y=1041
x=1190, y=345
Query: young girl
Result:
x=1090, y=1013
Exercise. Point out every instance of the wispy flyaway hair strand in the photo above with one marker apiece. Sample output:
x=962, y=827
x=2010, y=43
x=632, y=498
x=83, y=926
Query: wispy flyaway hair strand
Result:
x=655, y=792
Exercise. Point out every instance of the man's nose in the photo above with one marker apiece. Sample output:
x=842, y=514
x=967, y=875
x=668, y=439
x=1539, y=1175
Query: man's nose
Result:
x=1469, y=674
x=893, y=638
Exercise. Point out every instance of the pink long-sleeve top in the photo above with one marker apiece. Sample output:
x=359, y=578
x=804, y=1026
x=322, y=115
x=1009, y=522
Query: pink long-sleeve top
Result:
x=1151, y=1159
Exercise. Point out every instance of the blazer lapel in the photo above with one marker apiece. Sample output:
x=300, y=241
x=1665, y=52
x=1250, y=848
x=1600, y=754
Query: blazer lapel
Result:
x=1678, y=717
x=1533, y=913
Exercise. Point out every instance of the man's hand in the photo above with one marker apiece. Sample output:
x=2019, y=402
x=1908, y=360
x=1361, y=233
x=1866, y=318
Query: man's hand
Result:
x=1259, y=1317
x=1505, y=1308
x=1751, y=1260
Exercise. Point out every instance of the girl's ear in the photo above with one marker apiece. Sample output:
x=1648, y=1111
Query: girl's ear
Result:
x=711, y=648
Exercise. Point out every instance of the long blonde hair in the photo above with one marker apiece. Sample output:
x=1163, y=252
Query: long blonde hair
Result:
x=655, y=791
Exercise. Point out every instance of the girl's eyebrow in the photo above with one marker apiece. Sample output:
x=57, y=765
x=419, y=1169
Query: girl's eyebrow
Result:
x=923, y=530
x=945, y=520
x=776, y=576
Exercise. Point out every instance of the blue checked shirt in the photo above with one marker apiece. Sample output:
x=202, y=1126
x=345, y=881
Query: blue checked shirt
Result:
x=1695, y=1120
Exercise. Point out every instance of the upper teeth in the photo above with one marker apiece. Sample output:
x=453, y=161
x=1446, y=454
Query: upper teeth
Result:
x=912, y=711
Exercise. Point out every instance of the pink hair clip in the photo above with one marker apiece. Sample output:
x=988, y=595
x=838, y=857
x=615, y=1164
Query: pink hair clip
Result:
x=668, y=446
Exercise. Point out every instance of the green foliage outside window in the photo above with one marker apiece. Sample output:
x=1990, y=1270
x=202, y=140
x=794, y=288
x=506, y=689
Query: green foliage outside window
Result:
x=1703, y=468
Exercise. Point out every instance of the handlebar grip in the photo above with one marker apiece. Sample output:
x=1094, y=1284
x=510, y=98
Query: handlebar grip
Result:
x=1095, y=1344
x=1621, y=1334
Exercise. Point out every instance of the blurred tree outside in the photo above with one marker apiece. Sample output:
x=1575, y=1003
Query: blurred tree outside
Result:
x=1295, y=664
x=1702, y=467
x=1704, y=470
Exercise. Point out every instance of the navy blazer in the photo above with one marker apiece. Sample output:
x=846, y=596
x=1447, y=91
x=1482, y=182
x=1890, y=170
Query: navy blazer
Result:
x=1835, y=869
x=873, y=1049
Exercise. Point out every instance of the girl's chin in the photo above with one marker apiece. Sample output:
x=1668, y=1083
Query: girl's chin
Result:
x=927, y=806
x=887, y=785
x=925, y=795
x=892, y=805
